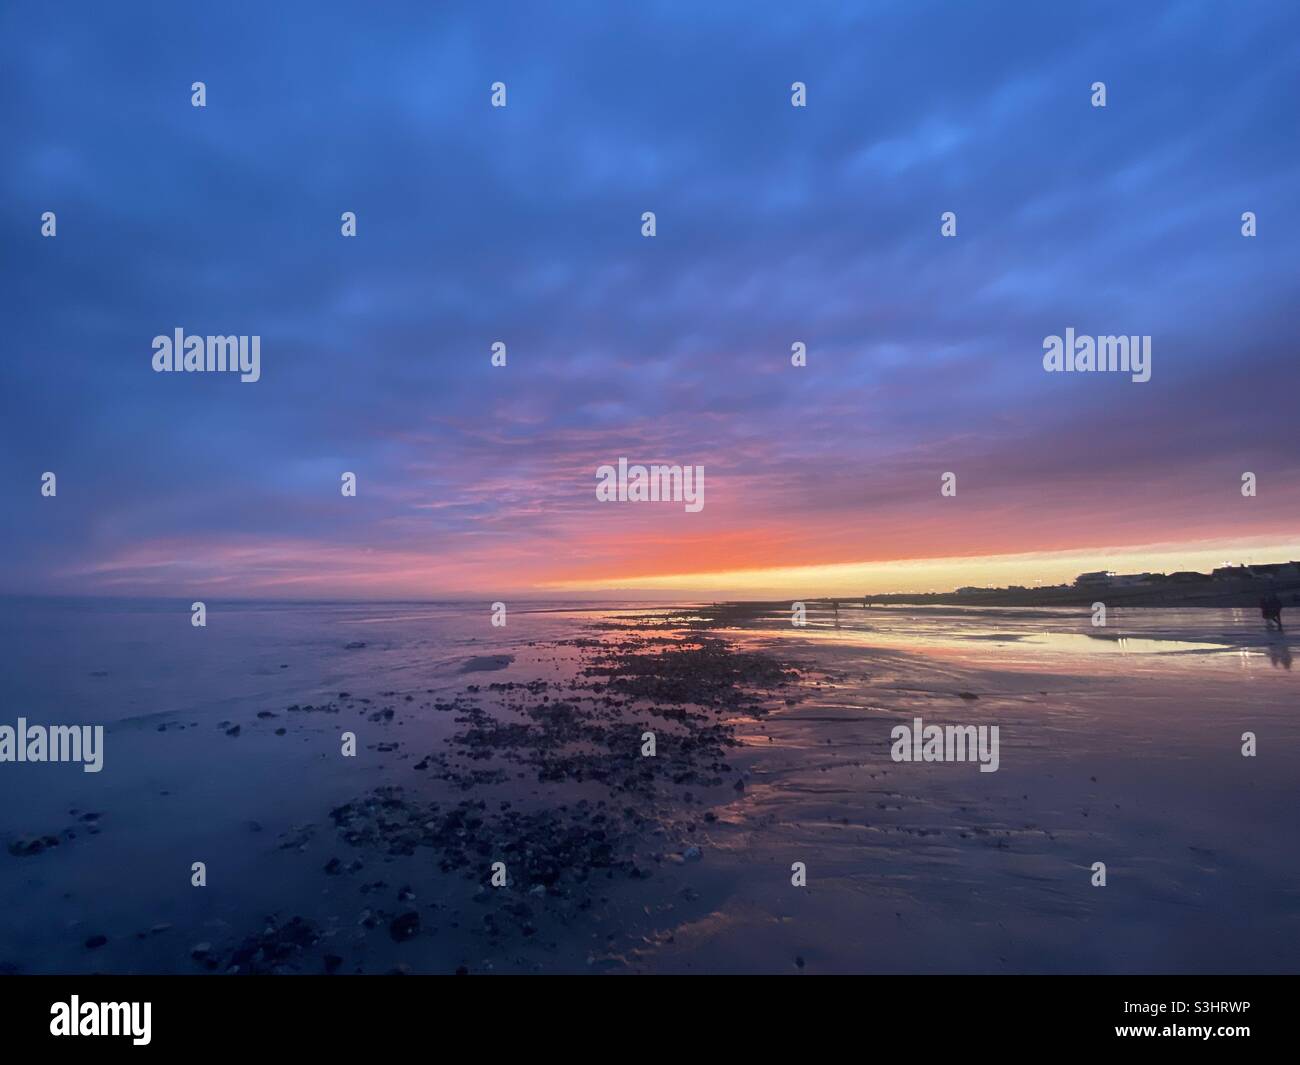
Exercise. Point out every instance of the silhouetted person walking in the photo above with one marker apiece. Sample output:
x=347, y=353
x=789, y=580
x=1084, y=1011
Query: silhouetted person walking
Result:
x=1270, y=606
x=1275, y=609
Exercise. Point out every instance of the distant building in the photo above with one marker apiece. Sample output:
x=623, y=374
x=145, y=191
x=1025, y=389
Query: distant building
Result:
x=1188, y=576
x=1231, y=573
x=1129, y=580
x=1277, y=571
x=1100, y=578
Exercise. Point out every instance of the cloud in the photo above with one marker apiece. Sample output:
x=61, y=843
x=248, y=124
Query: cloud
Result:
x=522, y=225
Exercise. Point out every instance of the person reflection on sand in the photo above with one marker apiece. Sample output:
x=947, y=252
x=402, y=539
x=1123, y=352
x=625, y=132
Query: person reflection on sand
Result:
x=1279, y=654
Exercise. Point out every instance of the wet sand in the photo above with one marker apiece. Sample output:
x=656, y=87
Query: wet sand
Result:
x=772, y=747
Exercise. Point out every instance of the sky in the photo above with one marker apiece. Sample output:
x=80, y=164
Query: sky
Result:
x=523, y=224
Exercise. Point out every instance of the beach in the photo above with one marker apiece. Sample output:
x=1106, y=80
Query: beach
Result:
x=518, y=754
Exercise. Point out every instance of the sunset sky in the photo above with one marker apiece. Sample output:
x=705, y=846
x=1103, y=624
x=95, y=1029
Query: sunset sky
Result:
x=523, y=225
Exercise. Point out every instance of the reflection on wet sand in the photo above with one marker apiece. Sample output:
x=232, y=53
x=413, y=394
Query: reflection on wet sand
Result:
x=698, y=790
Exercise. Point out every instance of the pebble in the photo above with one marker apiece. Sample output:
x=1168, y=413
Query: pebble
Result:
x=405, y=927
